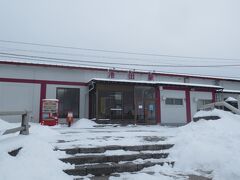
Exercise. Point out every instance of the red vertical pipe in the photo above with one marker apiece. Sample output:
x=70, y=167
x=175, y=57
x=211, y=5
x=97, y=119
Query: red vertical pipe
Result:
x=213, y=96
x=43, y=90
x=188, y=105
x=158, y=105
x=89, y=106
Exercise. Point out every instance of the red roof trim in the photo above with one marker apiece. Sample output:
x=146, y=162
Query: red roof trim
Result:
x=106, y=69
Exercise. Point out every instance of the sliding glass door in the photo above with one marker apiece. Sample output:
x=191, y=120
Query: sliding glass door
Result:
x=116, y=103
x=145, y=105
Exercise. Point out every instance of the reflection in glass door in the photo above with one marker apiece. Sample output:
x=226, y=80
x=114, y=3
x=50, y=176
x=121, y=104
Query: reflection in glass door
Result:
x=116, y=108
x=150, y=111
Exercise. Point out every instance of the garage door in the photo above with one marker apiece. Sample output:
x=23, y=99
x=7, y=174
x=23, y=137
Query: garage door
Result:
x=173, y=107
x=198, y=99
x=19, y=97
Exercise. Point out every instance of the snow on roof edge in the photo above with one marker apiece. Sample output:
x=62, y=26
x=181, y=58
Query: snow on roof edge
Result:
x=230, y=91
x=157, y=83
x=231, y=99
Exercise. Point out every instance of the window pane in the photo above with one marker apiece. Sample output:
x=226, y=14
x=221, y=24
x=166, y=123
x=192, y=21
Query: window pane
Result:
x=169, y=101
x=128, y=105
x=68, y=101
x=116, y=103
x=178, y=102
x=174, y=101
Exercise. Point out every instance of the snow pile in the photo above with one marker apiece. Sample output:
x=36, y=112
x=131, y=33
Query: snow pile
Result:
x=231, y=99
x=210, y=146
x=141, y=176
x=84, y=123
x=36, y=160
x=216, y=112
x=5, y=125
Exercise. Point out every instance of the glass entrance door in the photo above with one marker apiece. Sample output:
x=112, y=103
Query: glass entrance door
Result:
x=145, y=105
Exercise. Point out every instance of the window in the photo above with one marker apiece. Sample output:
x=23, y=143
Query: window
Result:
x=110, y=105
x=174, y=101
x=115, y=102
x=202, y=102
x=68, y=101
x=131, y=75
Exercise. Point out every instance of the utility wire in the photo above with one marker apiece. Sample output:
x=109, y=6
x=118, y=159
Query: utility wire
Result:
x=75, y=61
x=96, y=56
x=65, y=60
x=74, y=54
x=116, y=52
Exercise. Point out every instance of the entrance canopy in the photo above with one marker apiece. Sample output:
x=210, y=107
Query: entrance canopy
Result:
x=132, y=101
x=154, y=83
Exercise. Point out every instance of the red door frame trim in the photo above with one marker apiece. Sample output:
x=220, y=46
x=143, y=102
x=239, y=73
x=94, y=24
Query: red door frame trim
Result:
x=213, y=96
x=188, y=105
x=158, y=105
x=43, y=92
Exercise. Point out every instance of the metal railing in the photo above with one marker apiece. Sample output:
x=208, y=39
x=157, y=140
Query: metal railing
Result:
x=24, y=128
x=221, y=104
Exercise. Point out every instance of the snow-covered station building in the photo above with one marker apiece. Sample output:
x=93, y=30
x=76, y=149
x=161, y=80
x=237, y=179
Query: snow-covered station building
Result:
x=110, y=95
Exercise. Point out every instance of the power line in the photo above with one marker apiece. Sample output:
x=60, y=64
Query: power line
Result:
x=116, y=52
x=98, y=63
x=74, y=54
x=47, y=62
x=92, y=56
x=65, y=60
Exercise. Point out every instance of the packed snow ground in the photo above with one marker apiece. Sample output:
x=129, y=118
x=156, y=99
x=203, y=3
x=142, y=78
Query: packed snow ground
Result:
x=206, y=148
x=36, y=160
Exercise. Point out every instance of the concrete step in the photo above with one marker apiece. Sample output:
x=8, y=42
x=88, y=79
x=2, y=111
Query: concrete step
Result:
x=102, y=149
x=86, y=159
x=107, y=169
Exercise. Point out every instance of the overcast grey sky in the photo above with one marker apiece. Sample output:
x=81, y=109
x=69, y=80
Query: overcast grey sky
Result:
x=206, y=28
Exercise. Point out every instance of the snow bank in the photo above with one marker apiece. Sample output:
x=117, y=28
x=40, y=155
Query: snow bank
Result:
x=4, y=125
x=231, y=99
x=210, y=146
x=36, y=160
x=214, y=112
x=141, y=176
x=84, y=123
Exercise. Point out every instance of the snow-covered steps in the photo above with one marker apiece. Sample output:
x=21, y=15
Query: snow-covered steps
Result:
x=103, y=149
x=112, y=158
x=106, y=160
x=107, y=169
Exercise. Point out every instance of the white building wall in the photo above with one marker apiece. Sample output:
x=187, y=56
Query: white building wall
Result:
x=230, y=85
x=226, y=95
x=202, y=81
x=173, y=114
x=50, y=73
x=195, y=96
x=19, y=97
x=169, y=78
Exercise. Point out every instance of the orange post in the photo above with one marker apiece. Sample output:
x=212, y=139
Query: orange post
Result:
x=69, y=119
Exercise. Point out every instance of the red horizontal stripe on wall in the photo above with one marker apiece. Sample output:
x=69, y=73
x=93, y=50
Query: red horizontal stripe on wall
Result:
x=34, y=81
